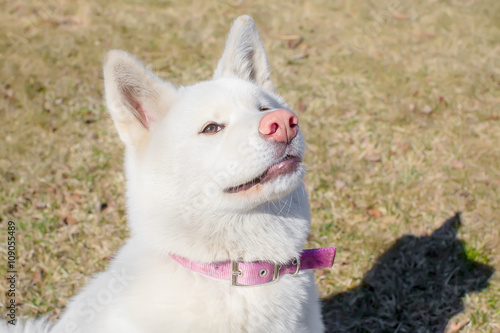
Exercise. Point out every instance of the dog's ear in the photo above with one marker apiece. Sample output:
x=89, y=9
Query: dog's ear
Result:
x=244, y=56
x=136, y=98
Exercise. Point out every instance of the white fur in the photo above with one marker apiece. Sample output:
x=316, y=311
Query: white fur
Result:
x=176, y=204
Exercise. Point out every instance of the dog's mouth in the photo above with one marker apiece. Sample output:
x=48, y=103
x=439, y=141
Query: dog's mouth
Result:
x=286, y=165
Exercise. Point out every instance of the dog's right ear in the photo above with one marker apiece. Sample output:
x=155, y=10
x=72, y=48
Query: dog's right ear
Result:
x=136, y=98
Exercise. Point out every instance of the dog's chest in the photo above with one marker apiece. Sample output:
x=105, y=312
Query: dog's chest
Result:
x=184, y=301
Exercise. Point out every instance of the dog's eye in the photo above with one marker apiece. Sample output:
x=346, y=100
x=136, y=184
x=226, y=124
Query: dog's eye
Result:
x=264, y=108
x=212, y=128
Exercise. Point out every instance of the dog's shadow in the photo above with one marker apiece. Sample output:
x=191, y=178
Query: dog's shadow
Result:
x=415, y=286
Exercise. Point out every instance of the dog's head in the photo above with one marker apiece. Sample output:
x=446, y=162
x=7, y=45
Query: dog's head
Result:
x=222, y=147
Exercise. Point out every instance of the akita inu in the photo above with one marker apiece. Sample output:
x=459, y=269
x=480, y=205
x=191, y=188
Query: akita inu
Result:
x=216, y=204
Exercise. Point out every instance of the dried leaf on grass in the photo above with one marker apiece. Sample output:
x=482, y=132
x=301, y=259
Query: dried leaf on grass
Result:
x=457, y=164
x=37, y=276
x=399, y=16
x=293, y=43
x=457, y=326
x=302, y=54
x=374, y=212
x=427, y=109
x=373, y=157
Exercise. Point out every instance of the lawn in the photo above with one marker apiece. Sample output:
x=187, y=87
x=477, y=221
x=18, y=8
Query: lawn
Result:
x=399, y=102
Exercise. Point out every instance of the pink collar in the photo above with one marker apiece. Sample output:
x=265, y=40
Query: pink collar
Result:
x=260, y=272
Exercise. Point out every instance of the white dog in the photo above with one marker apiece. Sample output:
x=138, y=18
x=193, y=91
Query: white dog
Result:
x=216, y=203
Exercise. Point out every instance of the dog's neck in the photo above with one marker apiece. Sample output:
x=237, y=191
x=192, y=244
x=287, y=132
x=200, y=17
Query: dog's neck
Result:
x=274, y=232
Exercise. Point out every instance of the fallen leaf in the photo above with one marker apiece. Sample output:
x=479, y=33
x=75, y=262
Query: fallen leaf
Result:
x=316, y=204
x=399, y=16
x=41, y=205
x=312, y=147
x=303, y=54
x=37, y=276
x=457, y=164
x=455, y=327
x=75, y=197
x=108, y=257
x=70, y=220
x=293, y=43
x=73, y=230
x=404, y=146
x=374, y=212
x=8, y=93
x=300, y=106
x=442, y=100
x=493, y=118
x=427, y=109
x=289, y=37
x=340, y=184
x=373, y=157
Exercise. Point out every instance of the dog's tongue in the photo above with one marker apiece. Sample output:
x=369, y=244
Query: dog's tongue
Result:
x=281, y=168
x=288, y=165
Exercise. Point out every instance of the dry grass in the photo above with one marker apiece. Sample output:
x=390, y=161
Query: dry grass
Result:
x=398, y=100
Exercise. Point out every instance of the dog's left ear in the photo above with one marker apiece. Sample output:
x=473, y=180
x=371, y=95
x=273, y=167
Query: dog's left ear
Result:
x=244, y=56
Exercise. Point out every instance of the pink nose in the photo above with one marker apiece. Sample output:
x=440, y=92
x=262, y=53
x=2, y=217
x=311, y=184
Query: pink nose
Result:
x=280, y=125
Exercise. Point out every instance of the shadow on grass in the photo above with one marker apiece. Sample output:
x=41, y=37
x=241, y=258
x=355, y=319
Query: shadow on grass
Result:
x=415, y=286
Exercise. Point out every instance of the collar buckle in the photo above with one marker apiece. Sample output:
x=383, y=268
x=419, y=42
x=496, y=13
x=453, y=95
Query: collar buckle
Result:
x=237, y=272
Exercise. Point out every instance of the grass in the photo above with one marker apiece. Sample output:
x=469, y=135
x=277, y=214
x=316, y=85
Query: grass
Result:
x=399, y=103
